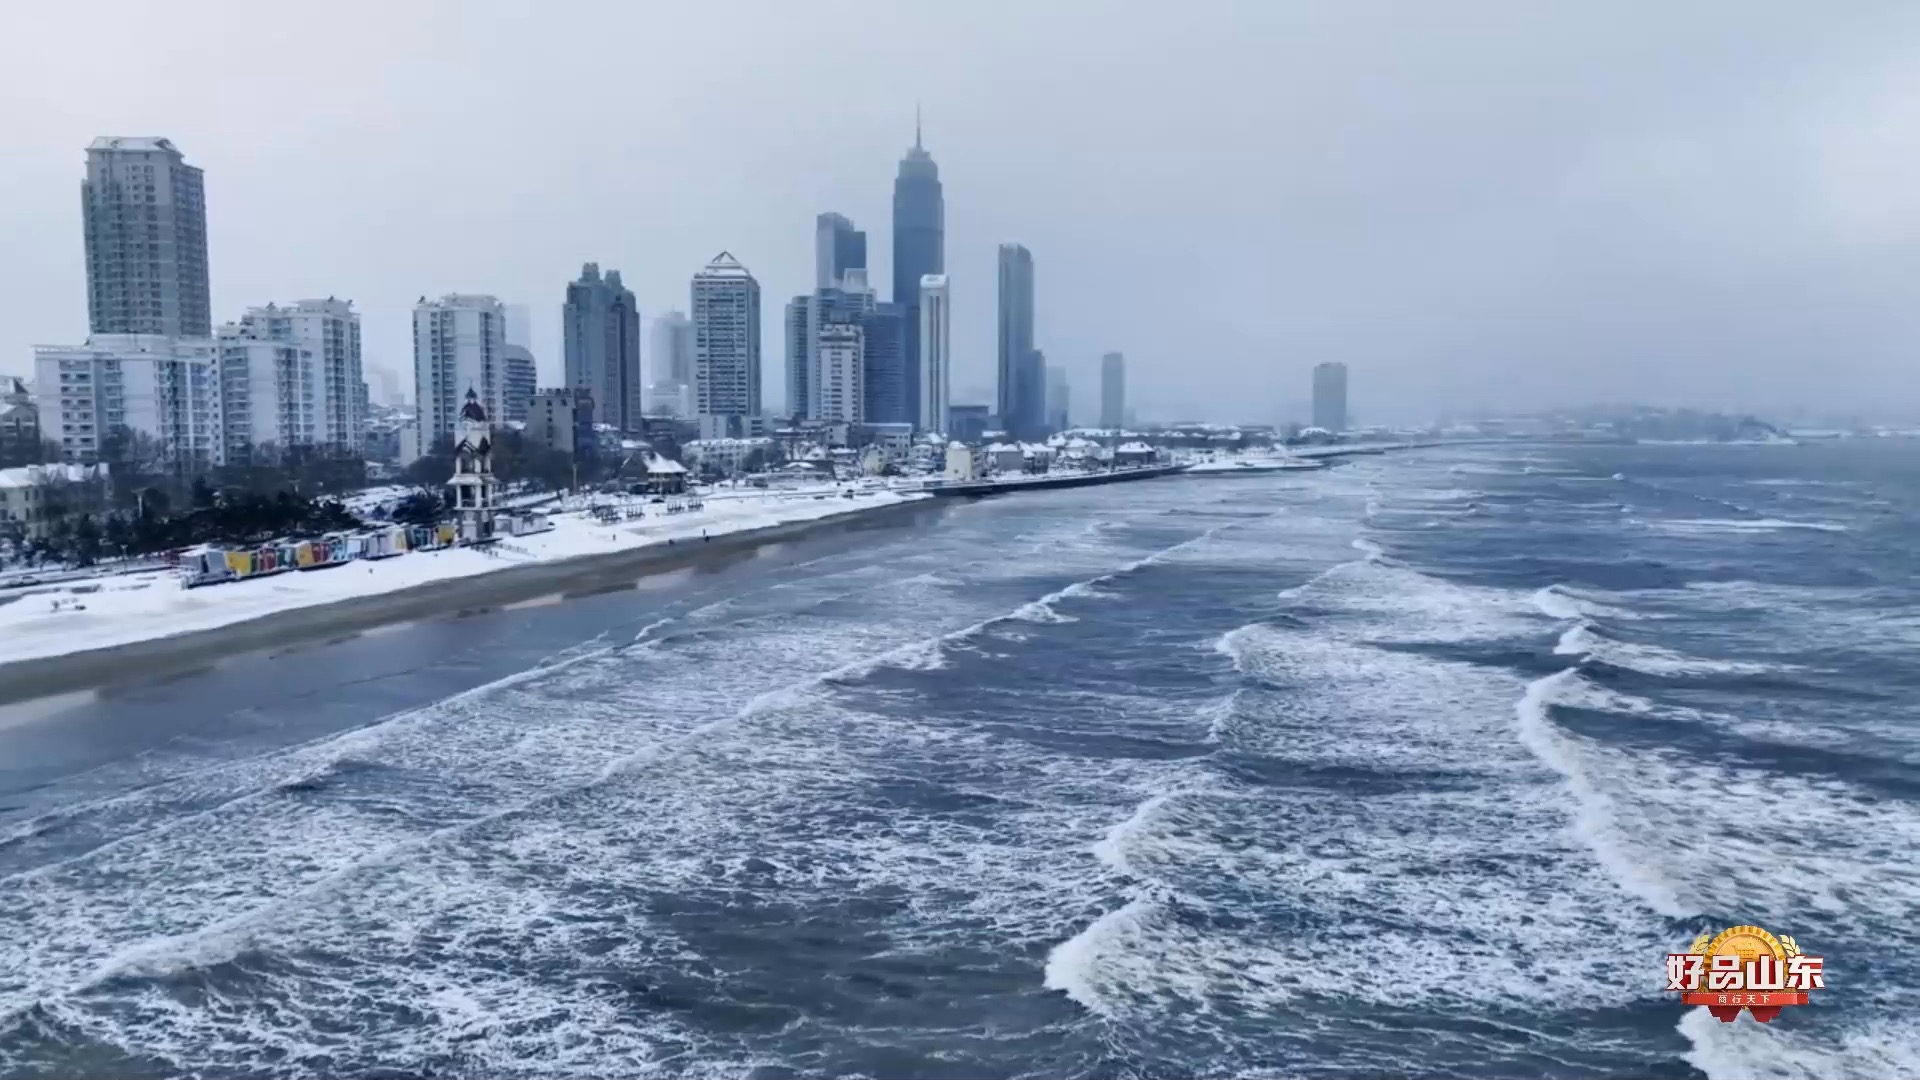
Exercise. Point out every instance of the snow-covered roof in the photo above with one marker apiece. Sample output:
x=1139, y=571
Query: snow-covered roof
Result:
x=138, y=143
x=1001, y=448
x=1135, y=447
x=37, y=475
x=658, y=464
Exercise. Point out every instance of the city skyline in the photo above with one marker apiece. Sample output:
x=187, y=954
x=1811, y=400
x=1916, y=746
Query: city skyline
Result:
x=1480, y=256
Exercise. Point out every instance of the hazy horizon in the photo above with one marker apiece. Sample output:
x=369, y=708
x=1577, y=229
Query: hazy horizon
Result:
x=1494, y=206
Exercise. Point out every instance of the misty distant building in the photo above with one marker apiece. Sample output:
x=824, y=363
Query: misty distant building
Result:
x=522, y=378
x=936, y=353
x=1021, y=393
x=600, y=337
x=837, y=248
x=850, y=303
x=726, y=349
x=144, y=211
x=519, y=326
x=670, y=382
x=1058, y=411
x=919, y=247
x=1330, y=396
x=968, y=423
x=459, y=344
x=292, y=376
x=1113, y=390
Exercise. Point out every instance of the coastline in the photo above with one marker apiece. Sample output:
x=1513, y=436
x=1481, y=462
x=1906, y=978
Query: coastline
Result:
x=159, y=657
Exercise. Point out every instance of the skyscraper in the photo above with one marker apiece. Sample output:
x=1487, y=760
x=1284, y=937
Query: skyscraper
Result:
x=145, y=215
x=883, y=346
x=600, y=332
x=726, y=348
x=1019, y=412
x=1330, y=396
x=798, y=328
x=837, y=248
x=936, y=352
x=919, y=245
x=1113, y=390
x=1057, y=410
x=459, y=344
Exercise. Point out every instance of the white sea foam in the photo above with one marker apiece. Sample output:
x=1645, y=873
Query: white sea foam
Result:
x=1562, y=602
x=1581, y=639
x=1718, y=526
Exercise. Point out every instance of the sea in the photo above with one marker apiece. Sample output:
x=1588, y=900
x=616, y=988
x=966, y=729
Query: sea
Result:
x=1412, y=767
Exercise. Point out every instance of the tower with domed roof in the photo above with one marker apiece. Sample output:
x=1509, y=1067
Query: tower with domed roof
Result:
x=472, y=481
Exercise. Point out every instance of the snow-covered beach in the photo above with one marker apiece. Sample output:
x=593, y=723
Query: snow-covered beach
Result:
x=104, y=612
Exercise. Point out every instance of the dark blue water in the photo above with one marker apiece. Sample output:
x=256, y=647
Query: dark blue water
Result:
x=1414, y=767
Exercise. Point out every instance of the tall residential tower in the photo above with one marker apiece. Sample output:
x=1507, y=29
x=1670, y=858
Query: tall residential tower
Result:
x=291, y=376
x=726, y=348
x=459, y=344
x=145, y=214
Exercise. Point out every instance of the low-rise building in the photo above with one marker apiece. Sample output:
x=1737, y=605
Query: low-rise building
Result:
x=724, y=455
x=1004, y=457
x=33, y=498
x=963, y=463
x=562, y=419
x=19, y=423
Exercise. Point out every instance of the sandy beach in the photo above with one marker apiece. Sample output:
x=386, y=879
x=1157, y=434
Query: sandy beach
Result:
x=37, y=666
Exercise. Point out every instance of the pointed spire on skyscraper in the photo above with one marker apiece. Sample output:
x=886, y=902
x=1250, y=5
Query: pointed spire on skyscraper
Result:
x=916, y=126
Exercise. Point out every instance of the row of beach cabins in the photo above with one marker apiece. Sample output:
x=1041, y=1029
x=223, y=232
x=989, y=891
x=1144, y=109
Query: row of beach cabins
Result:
x=213, y=564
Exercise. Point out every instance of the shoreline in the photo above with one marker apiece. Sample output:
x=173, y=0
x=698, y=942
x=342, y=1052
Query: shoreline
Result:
x=158, y=658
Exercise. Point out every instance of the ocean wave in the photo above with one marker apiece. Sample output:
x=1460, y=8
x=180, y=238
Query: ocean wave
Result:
x=1582, y=639
x=1595, y=820
x=1564, y=602
x=1717, y=526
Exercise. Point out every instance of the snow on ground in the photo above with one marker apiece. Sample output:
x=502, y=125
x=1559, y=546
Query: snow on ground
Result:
x=140, y=607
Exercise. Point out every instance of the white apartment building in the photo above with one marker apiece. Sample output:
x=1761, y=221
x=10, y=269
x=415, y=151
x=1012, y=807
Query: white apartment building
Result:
x=726, y=346
x=291, y=376
x=936, y=353
x=839, y=374
x=459, y=344
x=165, y=388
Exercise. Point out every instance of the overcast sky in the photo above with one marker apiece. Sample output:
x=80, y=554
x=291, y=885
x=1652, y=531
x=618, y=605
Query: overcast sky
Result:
x=1472, y=204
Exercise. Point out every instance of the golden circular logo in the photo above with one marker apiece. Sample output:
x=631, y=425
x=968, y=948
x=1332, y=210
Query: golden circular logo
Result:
x=1747, y=942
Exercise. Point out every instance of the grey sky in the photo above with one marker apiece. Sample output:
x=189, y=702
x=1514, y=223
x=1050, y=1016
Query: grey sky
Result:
x=1513, y=204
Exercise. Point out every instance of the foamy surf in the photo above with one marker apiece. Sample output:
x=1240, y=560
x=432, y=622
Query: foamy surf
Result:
x=1582, y=639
